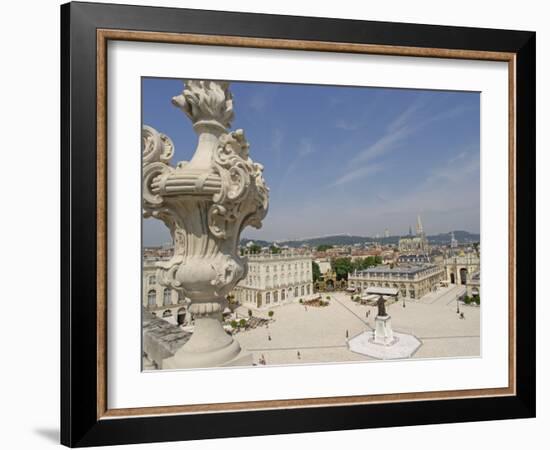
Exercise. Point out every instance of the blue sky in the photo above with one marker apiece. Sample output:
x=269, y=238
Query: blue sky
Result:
x=340, y=160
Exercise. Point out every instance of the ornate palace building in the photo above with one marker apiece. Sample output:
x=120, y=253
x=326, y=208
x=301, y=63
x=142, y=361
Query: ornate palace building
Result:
x=417, y=243
x=412, y=280
x=275, y=279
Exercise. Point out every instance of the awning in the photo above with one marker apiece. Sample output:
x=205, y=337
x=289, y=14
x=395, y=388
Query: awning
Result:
x=382, y=291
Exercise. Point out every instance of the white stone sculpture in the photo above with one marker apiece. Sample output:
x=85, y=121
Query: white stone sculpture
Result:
x=383, y=333
x=206, y=203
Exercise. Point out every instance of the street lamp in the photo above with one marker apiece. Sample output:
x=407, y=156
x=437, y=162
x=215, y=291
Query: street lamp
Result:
x=457, y=308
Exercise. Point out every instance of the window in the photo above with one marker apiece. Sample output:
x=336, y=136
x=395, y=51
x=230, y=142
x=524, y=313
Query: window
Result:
x=268, y=297
x=308, y=289
x=276, y=296
x=283, y=294
x=296, y=292
x=151, y=298
x=167, y=297
x=152, y=280
x=303, y=290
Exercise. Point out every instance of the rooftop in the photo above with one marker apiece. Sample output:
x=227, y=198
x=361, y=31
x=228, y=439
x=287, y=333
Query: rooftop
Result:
x=408, y=269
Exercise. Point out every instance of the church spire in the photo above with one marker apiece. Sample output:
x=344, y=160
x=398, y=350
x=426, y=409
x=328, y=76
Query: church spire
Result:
x=419, y=228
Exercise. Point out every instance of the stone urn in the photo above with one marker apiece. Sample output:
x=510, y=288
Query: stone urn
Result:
x=206, y=203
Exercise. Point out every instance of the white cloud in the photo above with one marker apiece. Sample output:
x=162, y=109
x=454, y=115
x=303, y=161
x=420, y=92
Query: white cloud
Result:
x=361, y=172
x=258, y=101
x=346, y=125
x=305, y=148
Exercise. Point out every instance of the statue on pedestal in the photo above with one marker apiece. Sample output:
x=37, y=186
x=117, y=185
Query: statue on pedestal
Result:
x=206, y=203
x=381, y=303
x=383, y=333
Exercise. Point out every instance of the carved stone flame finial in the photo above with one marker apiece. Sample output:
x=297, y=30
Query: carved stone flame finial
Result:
x=204, y=100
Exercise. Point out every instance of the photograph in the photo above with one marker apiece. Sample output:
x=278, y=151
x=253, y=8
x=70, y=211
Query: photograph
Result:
x=329, y=226
x=288, y=224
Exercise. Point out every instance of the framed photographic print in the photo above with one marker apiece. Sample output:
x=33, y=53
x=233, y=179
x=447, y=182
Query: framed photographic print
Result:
x=320, y=230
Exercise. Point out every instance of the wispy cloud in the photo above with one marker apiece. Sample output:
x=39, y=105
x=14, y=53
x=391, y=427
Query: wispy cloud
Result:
x=457, y=169
x=347, y=125
x=277, y=139
x=361, y=172
x=403, y=125
x=258, y=101
x=305, y=148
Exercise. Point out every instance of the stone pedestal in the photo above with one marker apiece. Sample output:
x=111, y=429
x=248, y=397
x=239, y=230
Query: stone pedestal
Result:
x=383, y=333
x=209, y=346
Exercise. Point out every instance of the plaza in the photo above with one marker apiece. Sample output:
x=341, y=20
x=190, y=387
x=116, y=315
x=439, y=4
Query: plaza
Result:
x=320, y=334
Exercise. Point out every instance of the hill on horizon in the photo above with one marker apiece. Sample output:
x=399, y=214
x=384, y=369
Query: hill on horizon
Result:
x=463, y=237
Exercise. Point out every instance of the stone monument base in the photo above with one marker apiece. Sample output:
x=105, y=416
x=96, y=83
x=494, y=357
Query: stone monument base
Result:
x=383, y=333
x=403, y=346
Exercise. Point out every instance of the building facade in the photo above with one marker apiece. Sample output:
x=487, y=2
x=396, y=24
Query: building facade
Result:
x=412, y=281
x=161, y=301
x=472, y=285
x=459, y=269
x=275, y=279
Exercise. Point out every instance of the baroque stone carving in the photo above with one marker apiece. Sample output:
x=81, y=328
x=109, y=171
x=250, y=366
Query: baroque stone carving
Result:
x=205, y=203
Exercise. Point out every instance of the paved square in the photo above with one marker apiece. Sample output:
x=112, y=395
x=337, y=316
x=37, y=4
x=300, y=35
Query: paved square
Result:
x=300, y=334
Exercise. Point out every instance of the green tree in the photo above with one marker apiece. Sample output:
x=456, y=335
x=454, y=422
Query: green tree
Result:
x=249, y=313
x=254, y=249
x=275, y=249
x=342, y=266
x=316, y=271
x=242, y=323
x=377, y=260
x=323, y=247
x=270, y=313
x=234, y=324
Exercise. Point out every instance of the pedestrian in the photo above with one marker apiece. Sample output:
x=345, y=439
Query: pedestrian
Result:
x=462, y=315
x=298, y=354
x=347, y=334
x=268, y=337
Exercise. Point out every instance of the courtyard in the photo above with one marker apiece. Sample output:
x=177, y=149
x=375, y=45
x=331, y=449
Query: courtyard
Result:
x=300, y=334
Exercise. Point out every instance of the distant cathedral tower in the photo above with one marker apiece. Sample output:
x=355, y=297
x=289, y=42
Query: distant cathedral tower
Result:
x=454, y=242
x=419, y=228
x=417, y=244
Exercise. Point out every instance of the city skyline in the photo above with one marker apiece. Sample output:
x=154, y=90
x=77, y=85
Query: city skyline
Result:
x=345, y=160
